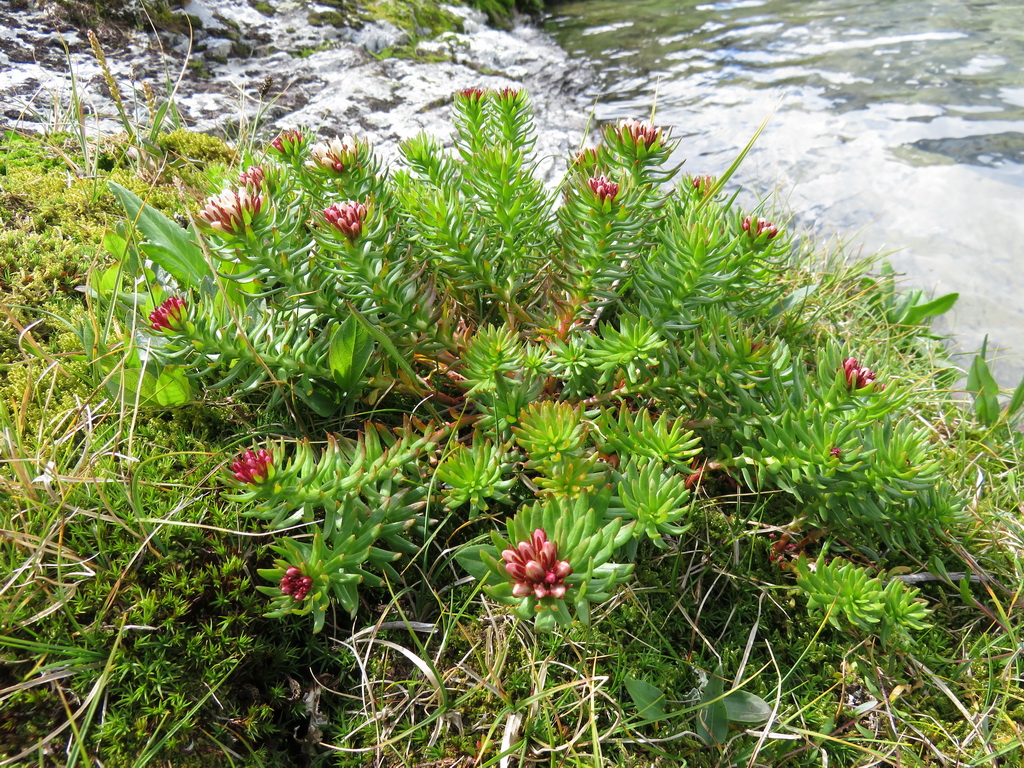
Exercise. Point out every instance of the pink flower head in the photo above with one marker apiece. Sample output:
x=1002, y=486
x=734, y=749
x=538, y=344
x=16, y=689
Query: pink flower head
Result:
x=233, y=210
x=334, y=156
x=252, y=467
x=471, y=94
x=169, y=316
x=603, y=188
x=858, y=377
x=535, y=568
x=253, y=178
x=639, y=132
x=288, y=143
x=347, y=218
x=758, y=227
x=295, y=584
x=508, y=94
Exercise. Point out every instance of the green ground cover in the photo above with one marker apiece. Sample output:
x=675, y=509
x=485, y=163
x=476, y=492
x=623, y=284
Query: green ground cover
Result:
x=308, y=461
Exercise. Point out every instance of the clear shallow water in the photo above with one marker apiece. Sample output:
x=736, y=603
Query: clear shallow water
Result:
x=897, y=126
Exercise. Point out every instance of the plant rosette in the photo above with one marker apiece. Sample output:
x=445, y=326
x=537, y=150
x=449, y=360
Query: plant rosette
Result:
x=556, y=557
x=309, y=576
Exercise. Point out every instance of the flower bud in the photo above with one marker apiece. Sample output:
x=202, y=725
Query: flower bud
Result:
x=347, y=218
x=471, y=94
x=534, y=568
x=294, y=584
x=603, y=188
x=252, y=178
x=639, y=132
x=758, y=227
x=288, y=143
x=858, y=377
x=334, y=156
x=232, y=211
x=252, y=467
x=169, y=316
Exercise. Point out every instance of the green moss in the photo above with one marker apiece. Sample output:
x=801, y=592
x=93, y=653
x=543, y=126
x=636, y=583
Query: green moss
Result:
x=196, y=147
x=415, y=16
x=265, y=8
x=53, y=215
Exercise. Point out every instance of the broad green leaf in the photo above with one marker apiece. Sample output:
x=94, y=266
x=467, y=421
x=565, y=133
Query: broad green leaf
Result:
x=984, y=388
x=712, y=717
x=309, y=393
x=387, y=345
x=650, y=701
x=167, y=244
x=171, y=388
x=106, y=283
x=746, y=708
x=965, y=591
x=115, y=244
x=350, y=350
x=918, y=312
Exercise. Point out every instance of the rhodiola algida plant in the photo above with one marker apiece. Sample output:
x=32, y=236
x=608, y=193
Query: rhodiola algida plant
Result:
x=569, y=360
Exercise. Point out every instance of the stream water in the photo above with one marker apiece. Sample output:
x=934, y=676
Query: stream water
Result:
x=894, y=126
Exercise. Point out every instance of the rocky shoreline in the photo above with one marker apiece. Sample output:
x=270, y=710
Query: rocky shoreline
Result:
x=236, y=71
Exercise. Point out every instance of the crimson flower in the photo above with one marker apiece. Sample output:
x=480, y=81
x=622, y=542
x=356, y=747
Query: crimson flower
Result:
x=347, y=218
x=169, y=316
x=335, y=155
x=252, y=467
x=758, y=227
x=603, y=187
x=535, y=568
x=858, y=377
x=252, y=178
x=288, y=143
x=233, y=210
x=471, y=94
x=640, y=132
x=295, y=584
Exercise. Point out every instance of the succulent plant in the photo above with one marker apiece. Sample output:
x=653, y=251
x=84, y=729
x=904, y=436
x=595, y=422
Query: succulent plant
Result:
x=555, y=562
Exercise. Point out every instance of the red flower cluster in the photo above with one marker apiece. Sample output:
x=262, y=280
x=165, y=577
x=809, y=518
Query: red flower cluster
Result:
x=233, y=210
x=472, y=94
x=168, y=316
x=535, y=568
x=640, y=132
x=252, y=467
x=758, y=227
x=295, y=584
x=604, y=188
x=252, y=178
x=335, y=155
x=347, y=218
x=858, y=377
x=288, y=143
